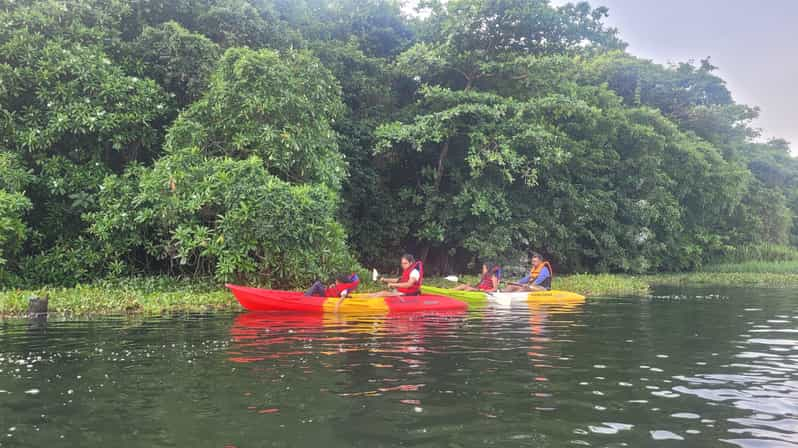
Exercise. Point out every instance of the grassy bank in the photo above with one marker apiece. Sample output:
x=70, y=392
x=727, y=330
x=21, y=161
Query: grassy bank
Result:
x=750, y=267
x=776, y=274
x=603, y=285
x=138, y=295
x=740, y=279
x=157, y=295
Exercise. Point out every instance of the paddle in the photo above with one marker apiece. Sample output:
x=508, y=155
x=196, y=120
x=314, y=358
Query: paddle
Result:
x=374, y=275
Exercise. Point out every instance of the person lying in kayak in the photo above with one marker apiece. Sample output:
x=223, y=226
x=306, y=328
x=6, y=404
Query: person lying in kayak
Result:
x=538, y=279
x=488, y=283
x=343, y=286
x=409, y=284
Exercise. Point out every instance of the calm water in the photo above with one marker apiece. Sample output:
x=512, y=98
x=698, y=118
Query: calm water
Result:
x=708, y=371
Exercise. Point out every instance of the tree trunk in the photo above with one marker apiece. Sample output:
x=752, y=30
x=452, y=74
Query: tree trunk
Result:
x=422, y=254
x=441, y=160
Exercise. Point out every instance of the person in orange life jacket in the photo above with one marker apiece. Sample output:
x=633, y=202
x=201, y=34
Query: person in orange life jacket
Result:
x=409, y=284
x=343, y=286
x=488, y=283
x=538, y=279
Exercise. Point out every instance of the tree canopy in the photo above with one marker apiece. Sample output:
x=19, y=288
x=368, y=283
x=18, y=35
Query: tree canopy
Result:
x=282, y=141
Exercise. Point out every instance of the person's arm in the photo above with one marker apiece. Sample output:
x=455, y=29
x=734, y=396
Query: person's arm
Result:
x=414, y=276
x=544, y=274
x=523, y=281
x=389, y=280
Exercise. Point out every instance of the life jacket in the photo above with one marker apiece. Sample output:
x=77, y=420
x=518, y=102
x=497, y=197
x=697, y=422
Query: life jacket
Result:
x=486, y=284
x=340, y=287
x=415, y=289
x=535, y=272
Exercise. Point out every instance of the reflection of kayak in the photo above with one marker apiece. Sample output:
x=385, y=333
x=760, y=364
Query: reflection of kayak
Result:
x=258, y=336
x=476, y=298
x=255, y=299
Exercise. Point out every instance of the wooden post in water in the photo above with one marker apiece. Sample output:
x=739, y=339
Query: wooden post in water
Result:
x=37, y=306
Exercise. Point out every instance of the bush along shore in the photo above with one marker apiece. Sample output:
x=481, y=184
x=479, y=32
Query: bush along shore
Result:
x=158, y=295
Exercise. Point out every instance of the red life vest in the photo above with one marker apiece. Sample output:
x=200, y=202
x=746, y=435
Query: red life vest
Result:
x=406, y=277
x=486, y=284
x=535, y=272
x=340, y=287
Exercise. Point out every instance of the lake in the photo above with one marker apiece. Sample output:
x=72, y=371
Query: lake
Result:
x=691, y=367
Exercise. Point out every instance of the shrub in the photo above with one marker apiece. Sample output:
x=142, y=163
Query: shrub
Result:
x=227, y=217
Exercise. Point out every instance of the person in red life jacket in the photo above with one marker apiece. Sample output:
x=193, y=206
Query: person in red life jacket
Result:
x=488, y=283
x=343, y=286
x=538, y=279
x=409, y=284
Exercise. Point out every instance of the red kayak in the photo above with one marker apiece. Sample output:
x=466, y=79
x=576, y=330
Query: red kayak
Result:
x=256, y=299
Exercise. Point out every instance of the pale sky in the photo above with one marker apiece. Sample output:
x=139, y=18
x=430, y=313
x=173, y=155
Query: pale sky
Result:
x=753, y=43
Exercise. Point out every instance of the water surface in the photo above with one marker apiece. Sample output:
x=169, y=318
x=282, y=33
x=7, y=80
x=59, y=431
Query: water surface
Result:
x=691, y=368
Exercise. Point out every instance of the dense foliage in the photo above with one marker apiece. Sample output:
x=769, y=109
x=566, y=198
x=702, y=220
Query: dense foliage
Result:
x=220, y=216
x=279, y=141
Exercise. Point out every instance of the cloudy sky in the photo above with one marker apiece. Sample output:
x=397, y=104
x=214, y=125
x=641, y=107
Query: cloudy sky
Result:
x=754, y=44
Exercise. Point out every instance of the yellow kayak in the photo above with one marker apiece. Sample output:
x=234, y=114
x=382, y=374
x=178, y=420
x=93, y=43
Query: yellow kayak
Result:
x=477, y=298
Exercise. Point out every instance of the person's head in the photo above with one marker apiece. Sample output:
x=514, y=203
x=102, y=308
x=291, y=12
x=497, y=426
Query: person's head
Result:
x=485, y=268
x=407, y=261
x=536, y=259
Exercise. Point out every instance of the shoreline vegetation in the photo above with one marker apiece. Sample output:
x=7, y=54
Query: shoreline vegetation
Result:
x=160, y=295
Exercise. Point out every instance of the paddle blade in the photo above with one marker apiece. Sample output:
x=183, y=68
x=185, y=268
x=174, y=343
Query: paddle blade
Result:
x=374, y=275
x=503, y=300
x=452, y=278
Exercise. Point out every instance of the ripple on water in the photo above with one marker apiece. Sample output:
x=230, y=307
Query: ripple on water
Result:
x=687, y=415
x=665, y=435
x=760, y=443
x=610, y=428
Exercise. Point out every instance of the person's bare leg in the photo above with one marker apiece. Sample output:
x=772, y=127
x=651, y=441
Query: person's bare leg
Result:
x=513, y=288
x=535, y=288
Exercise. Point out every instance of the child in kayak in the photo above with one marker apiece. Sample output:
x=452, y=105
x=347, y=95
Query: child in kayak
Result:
x=538, y=279
x=488, y=283
x=343, y=286
x=409, y=284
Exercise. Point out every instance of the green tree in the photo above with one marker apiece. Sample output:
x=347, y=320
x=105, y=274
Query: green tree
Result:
x=481, y=129
x=241, y=23
x=178, y=60
x=280, y=107
x=222, y=216
x=13, y=206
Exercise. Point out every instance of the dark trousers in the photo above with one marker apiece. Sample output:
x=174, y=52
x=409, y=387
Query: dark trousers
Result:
x=316, y=289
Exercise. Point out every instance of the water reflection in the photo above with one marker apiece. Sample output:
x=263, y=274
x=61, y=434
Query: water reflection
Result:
x=260, y=336
x=661, y=372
